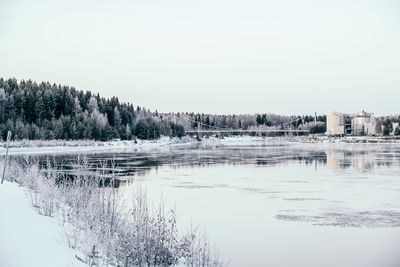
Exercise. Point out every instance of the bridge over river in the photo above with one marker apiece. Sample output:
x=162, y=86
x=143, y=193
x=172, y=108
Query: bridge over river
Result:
x=245, y=131
x=204, y=129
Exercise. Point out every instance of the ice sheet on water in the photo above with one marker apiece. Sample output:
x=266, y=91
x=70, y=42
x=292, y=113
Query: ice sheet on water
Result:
x=378, y=218
x=303, y=199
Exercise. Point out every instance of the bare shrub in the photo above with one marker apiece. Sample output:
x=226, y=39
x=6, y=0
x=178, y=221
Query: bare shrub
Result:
x=199, y=251
x=151, y=237
x=96, y=216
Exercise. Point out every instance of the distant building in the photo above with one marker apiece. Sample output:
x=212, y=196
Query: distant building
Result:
x=335, y=124
x=363, y=124
x=340, y=124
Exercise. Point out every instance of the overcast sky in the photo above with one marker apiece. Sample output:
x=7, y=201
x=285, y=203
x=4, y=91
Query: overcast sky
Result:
x=212, y=56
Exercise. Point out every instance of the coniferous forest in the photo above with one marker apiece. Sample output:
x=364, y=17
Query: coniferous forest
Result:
x=48, y=111
x=45, y=111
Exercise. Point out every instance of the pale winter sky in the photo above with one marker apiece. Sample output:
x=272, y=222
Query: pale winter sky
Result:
x=213, y=56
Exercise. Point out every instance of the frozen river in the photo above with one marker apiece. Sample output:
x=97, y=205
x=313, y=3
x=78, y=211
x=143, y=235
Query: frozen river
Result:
x=278, y=204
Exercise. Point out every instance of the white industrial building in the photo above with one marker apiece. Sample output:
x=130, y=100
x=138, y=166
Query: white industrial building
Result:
x=335, y=125
x=361, y=124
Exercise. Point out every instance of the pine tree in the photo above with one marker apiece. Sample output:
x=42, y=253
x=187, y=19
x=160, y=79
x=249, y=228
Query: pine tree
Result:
x=397, y=131
x=259, y=120
x=19, y=130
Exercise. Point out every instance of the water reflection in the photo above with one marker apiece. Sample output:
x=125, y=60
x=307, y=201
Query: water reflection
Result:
x=362, y=160
x=127, y=165
x=339, y=160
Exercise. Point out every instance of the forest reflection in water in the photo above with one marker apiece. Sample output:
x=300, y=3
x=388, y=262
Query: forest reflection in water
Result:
x=127, y=164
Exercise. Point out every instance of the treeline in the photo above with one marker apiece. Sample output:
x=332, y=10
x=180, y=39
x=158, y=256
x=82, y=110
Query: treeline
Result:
x=388, y=125
x=191, y=121
x=49, y=111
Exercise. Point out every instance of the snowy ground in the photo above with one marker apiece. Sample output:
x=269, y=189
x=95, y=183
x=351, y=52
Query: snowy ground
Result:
x=27, y=238
x=60, y=146
x=345, y=139
x=82, y=146
x=30, y=147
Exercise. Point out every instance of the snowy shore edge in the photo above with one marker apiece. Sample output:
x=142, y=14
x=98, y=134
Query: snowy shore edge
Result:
x=28, y=238
x=83, y=146
x=87, y=146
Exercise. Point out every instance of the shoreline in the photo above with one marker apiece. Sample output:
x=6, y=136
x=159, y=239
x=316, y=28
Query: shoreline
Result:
x=25, y=147
x=347, y=139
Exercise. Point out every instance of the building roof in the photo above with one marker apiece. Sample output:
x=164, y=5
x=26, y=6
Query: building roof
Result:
x=364, y=114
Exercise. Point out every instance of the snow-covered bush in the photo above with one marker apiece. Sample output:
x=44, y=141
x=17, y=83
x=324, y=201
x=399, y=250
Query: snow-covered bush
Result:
x=199, y=251
x=96, y=215
x=150, y=237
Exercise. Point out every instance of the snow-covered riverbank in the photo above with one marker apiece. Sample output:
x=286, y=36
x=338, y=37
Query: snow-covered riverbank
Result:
x=345, y=139
x=27, y=238
x=82, y=146
x=87, y=146
x=94, y=221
